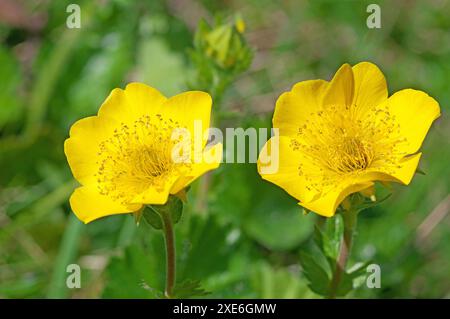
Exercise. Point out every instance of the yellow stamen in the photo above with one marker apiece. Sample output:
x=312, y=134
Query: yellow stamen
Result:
x=346, y=140
x=137, y=157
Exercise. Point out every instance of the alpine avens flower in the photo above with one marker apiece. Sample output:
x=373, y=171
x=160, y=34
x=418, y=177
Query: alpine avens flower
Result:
x=124, y=156
x=339, y=137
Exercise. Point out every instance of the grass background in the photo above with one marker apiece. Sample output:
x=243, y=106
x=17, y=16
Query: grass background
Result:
x=245, y=238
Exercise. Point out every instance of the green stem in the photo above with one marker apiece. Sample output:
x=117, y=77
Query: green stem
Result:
x=169, y=238
x=350, y=218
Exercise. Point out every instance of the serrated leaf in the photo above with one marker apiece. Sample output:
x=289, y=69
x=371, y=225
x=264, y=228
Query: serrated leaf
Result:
x=205, y=236
x=157, y=294
x=348, y=278
x=345, y=285
x=189, y=288
x=136, y=274
x=317, y=277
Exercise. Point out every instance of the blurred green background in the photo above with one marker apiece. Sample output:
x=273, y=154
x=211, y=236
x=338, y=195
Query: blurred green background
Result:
x=242, y=239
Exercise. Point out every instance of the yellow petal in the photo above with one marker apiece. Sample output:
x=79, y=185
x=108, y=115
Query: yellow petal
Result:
x=340, y=90
x=83, y=144
x=85, y=135
x=415, y=111
x=370, y=85
x=403, y=173
x=128, y=105
x=153, y=196
x=190, y=107
x=282, y=169
x=294, y=107
x=210, y=160
x=88, y=204
x=327, y=205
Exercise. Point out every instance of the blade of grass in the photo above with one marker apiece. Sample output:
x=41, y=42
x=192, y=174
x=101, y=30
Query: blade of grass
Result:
x=66, y=255
x=35, y=213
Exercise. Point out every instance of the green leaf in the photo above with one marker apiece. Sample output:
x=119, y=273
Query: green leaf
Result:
x=189, y=288
x=347, y=283
x=206, y=251
x=138, y=273
x=268, y=281
x=317, y=277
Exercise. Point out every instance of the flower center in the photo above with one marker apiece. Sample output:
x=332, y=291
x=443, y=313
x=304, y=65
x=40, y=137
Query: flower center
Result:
x=343, y=140
x=348, y=154
x=137, y=157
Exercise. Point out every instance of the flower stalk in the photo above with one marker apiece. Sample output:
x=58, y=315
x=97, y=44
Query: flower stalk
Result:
x=169, y=239
x=350, y=219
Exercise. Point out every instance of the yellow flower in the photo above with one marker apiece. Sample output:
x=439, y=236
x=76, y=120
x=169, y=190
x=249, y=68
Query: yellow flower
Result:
x=124, y=156
x=339, y=137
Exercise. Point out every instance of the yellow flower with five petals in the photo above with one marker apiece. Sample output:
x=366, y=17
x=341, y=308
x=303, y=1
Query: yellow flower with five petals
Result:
x=339, y=137
x=124, y=156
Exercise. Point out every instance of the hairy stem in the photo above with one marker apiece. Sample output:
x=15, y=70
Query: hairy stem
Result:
x=169, y=238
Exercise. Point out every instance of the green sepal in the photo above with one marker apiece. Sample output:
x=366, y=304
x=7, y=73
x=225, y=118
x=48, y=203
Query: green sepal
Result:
x=173, y=206
x=138, y=216
x=328, y=238
x=358, y=203
x=420, y=171
x=152, y=217
x=369, y=203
